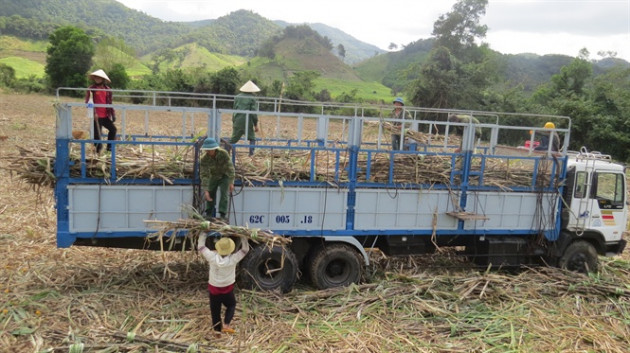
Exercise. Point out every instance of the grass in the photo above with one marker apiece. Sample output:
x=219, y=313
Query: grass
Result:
x=14, y=43
x=24, y=68
x=366, y=91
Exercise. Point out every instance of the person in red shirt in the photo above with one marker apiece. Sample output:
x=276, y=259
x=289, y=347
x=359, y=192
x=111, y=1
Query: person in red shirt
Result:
x=100, y=93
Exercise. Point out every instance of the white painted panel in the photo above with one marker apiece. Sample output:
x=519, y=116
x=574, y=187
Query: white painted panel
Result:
x=106, y=208
x=279, y=208
x=381, y=209
x=511, y=210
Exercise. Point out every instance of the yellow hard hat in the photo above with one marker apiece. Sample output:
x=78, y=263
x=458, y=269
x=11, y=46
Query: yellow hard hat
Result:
x=550, y=125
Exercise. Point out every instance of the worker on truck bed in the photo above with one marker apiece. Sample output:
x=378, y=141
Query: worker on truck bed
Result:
x=545, y=136
x=217, y=172
x=105, y=117
x=222, y=275
x=398, y=113
x=459, y=130
x=245, y=101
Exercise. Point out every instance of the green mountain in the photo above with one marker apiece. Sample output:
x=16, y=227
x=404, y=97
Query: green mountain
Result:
x=238, y=33
x=356, y=51
x=299, y=48
x=241, y=39
x=99, y=17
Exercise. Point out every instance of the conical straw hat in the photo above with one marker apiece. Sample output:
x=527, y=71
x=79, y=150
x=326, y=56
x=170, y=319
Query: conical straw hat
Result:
x=250, y=87
x=101, y=74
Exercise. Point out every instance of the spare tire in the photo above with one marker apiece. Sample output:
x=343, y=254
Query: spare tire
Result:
x=266, y=268
x=335, y=265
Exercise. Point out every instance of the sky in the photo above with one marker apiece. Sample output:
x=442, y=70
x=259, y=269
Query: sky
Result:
x=514, y=26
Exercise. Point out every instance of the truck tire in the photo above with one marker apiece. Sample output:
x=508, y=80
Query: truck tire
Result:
x=579, y=256
x=269, y=269
x=334, y=265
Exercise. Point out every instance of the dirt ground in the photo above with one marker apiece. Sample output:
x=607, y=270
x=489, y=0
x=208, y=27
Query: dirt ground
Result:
x=113, y=300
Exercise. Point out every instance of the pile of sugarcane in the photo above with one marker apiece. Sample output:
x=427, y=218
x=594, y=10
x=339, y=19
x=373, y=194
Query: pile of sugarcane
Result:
x=269, y=165
x=420, y=137
x=36, y=166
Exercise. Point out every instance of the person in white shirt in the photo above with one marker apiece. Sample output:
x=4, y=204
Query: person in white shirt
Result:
x=222, y=275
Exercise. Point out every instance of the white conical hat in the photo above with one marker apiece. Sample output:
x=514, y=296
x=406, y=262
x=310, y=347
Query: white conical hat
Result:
x=250, y=87
x=99, y=73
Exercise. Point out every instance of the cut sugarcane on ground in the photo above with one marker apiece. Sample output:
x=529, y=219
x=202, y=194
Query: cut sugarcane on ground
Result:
x=114, y=300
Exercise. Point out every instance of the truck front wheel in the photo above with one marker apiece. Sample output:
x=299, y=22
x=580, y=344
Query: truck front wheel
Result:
x=267, y=268
x=335, y=265
x=580, y=256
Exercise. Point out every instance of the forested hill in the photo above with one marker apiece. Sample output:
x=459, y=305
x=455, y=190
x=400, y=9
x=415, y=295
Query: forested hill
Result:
x=239, y=33
x=101, y=18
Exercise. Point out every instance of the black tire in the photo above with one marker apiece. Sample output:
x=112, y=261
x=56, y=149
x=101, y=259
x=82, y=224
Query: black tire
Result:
x=335, y=265
x=579, y=256
x=269, y=269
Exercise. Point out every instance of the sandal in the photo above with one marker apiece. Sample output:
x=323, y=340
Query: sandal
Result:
x=228, y=330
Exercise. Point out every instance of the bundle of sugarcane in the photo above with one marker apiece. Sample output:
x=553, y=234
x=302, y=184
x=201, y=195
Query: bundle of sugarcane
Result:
x=194, y=226
x=421, y=137
x=36, y=165
x=418, y=169
x=271, y=165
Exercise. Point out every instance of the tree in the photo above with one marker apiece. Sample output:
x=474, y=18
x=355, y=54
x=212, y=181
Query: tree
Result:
x=392, y=46
x=438, y=85
x=342, y=51
x=300, y=87
x=226, y=81
x=458, y=71
x=69, y=57
x=118, y=75
x=110, y=51
x=7, y=75
x=458, y=29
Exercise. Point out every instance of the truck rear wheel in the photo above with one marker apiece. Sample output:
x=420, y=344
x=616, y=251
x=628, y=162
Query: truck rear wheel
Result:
x=267, y=268
x=334, y=265
x=580, y=256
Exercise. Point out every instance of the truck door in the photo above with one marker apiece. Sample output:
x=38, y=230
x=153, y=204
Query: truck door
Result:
x=609, y=213
x=599, y=203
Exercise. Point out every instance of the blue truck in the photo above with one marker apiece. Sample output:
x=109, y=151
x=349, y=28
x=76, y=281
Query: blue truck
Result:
x=326, y=176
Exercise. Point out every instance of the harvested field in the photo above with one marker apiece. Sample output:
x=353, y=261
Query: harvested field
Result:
x=113, y=300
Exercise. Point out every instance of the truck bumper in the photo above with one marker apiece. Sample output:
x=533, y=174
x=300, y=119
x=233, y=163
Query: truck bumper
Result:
x=616, y=248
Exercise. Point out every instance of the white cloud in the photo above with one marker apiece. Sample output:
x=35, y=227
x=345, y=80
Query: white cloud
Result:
x=514, y=26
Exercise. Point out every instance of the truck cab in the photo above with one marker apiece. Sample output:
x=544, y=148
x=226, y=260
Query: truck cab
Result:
x=596, y=216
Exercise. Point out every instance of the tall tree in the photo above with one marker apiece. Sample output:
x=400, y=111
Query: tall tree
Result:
x=437, y=86
x=458, y=29
x=342, y=51
x=457, y=71
x=69, y=57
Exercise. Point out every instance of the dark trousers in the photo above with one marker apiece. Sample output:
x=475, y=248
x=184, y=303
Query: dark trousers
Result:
x=215, y=309
x=395, y=142
x=223, y=185
x=111, y=132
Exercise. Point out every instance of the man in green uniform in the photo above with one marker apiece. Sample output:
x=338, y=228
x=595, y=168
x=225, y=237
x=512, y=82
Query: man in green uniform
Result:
x=459, y=130
x=217, y=172
x=398, y=113
x=245, y=101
